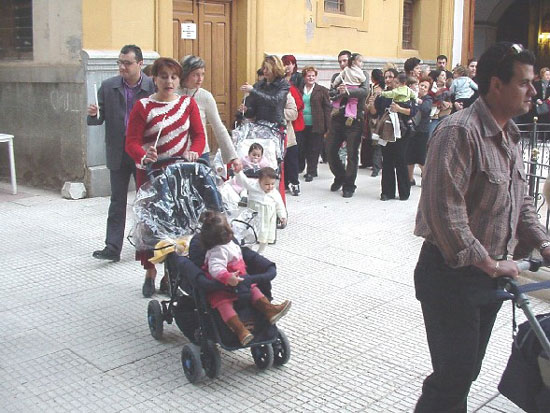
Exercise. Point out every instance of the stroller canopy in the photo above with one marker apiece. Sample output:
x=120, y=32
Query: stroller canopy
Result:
x=169, y=205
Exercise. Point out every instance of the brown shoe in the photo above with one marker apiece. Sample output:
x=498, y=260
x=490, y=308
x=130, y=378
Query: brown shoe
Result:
x=236, y=325
x=272, y=312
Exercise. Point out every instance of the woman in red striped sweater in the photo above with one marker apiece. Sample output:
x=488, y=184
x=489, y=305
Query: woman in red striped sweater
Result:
x=181, y=134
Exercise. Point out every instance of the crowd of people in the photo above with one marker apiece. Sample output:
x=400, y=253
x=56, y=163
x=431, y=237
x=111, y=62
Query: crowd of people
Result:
x=456, y=125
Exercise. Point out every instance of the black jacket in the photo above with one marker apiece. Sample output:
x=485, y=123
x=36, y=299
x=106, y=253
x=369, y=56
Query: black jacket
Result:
x=267, y=101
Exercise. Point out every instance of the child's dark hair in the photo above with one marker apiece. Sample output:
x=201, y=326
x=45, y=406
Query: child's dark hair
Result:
x=215, y=229
x=267, y=172
x=402, y=78
x=256, y=146
x=353, y=58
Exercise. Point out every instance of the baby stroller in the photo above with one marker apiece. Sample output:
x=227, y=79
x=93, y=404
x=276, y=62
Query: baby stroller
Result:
x=267, y=134
x=173, y=202
x=526, y=379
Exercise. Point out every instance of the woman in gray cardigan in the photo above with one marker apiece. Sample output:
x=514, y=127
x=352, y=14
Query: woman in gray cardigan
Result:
x=191, y=82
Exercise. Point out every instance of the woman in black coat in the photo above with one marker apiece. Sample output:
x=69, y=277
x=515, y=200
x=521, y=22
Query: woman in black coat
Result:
x=418, y=143
x=267, y=97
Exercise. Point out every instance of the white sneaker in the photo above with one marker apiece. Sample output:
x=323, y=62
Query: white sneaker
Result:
x=294, y=189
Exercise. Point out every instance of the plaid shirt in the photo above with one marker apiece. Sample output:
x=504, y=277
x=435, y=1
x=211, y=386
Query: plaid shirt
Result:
x=474, y=199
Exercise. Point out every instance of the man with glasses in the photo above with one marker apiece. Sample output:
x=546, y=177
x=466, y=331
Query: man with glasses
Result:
x=116, y=97
x=472, y=213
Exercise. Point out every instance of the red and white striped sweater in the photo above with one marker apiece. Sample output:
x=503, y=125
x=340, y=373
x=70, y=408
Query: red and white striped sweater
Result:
x=182, y=130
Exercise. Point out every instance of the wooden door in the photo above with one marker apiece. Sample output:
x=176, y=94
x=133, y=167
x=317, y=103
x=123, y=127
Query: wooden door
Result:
x=215, y=43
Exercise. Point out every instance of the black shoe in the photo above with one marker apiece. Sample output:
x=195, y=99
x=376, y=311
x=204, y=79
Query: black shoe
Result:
x=403, y=198
x=374, y=172
x=106, y=254
x=308, y=177
x=148, y=288
x=335, y=186
x=384, y=197
x=314, y=174
x=164, y=285
x=347, y=193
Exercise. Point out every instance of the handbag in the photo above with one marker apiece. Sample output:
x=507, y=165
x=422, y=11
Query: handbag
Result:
x=543, y=108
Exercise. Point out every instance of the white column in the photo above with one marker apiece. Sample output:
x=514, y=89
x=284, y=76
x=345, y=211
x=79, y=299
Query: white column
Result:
x=458, y=23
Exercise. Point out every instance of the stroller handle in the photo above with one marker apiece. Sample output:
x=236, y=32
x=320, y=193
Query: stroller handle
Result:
x=152, y=167
x=509, y=284
x=518, y=294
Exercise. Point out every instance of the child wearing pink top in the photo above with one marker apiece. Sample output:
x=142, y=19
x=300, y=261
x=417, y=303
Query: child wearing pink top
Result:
x=224, y=262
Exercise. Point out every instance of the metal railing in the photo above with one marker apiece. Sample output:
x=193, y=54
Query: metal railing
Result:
x=535, y=144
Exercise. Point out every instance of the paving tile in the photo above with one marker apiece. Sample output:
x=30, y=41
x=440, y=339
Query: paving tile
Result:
x=74, y=335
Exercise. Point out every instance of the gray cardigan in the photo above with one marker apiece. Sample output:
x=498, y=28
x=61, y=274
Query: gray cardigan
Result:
x=112, y=108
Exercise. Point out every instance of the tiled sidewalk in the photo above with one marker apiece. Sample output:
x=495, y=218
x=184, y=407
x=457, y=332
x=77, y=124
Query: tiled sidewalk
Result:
x=74, y=335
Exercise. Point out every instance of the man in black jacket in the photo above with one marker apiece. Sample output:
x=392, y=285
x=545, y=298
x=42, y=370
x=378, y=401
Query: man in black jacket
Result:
x=116, y=97
x=340, y=132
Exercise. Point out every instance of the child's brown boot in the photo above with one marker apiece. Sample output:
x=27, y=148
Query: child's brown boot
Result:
x=272, y=312
x=236, y=325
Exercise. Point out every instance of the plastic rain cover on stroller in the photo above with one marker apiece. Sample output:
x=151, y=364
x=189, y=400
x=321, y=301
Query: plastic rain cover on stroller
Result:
x=168, y=206
x=266, y=134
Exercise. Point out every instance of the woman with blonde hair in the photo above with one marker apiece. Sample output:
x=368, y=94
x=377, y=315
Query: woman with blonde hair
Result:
x=267, y=98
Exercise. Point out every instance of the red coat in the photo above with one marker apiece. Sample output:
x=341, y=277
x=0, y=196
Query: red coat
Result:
x=298, y=124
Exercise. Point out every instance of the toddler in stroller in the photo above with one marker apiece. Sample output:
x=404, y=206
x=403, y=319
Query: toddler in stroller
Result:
x=167, y=211
x=252, y=163
x=224, y=263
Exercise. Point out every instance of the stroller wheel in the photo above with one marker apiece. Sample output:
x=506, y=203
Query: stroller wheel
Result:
x=155, y=319
x=281, y=349
x=211, y=360
x=263, y=355
x=191, y=362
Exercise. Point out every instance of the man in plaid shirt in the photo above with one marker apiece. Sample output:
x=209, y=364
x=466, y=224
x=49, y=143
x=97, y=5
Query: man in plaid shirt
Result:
x=472, y=212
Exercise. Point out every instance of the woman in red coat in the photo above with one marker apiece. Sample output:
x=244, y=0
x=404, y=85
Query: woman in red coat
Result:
x=161, y=126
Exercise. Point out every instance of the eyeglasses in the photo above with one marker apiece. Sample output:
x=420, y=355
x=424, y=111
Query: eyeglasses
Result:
x=125, y=63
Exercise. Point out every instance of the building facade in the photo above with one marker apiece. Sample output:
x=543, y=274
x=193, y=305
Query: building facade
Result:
x=53, y=52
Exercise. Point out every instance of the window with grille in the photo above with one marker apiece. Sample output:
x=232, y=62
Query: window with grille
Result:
x=408, y=8
x=16, y=29
x=335, y=6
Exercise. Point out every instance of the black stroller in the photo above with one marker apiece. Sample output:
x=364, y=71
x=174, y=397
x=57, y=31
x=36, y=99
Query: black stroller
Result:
x=526, y=379
x=171, y=204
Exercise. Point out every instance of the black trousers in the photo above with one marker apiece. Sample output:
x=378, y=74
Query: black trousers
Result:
x=301, y=151
x=394, y=163
x=291, y=166
x=312, y=143
x=340, y=133
x=367, y=151
x=459, y=313
x=116, y=220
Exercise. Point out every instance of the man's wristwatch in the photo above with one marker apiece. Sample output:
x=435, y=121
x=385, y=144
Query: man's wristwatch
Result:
x=544, y=245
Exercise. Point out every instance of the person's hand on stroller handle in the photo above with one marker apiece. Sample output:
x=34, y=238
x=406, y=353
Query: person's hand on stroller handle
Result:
x=150, y=156
x=495, y=269
x=191, y=156
x=234, y=279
